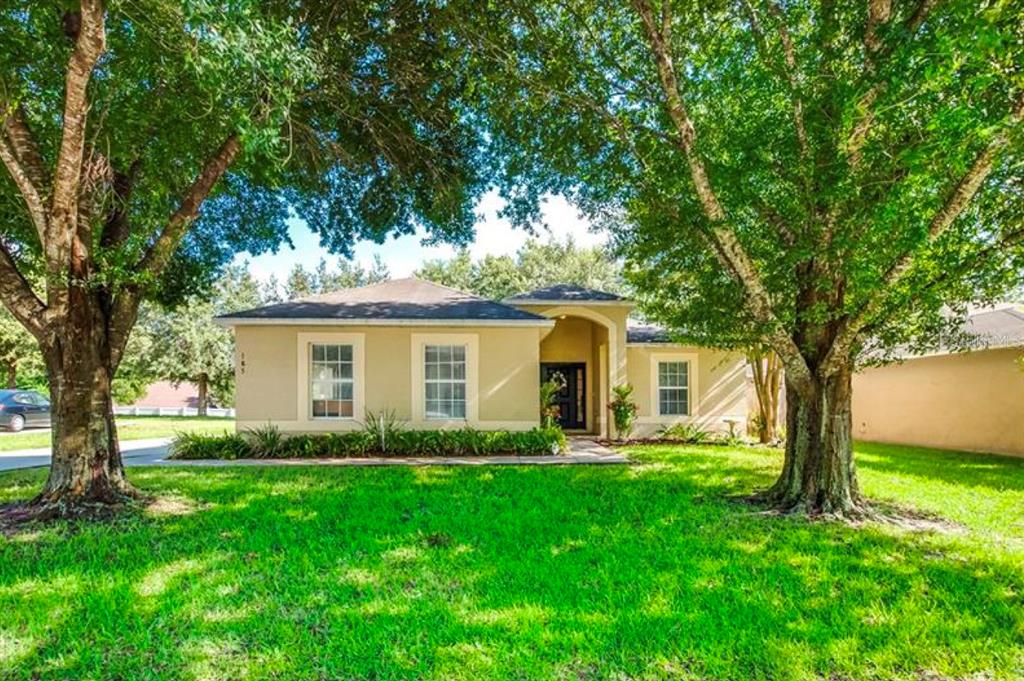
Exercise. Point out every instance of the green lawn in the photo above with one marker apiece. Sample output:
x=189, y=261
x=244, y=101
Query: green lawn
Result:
x=616, y=572
x=128, y=428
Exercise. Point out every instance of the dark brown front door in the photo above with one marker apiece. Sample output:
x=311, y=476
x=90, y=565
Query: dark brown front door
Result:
x=571, y=399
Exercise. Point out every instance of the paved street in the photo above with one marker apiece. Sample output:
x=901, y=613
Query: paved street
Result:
x=135, y=452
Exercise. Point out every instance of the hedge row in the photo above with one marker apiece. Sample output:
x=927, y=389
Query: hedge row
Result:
x=268, y=442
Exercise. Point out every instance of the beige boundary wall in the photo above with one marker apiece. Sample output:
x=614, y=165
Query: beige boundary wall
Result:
x=272, y=364
x=969, y=401
x=718, y=387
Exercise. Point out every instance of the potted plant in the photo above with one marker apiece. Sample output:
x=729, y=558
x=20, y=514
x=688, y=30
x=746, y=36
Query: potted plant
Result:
x=549, y=411
x=623, y=410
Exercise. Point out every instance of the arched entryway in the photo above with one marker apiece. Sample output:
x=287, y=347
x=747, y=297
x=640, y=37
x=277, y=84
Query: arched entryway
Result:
x=579, y=347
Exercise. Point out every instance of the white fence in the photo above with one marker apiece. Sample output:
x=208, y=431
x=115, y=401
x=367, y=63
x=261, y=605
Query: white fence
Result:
x=172, y=411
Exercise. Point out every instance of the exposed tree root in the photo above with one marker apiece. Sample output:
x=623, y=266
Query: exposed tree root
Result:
x=860, y=513
x=52, y=506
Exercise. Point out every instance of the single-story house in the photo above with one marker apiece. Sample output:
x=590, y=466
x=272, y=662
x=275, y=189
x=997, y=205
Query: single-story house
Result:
x=970, y=400
x=442, y=358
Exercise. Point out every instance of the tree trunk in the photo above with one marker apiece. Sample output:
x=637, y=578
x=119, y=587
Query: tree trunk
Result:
x=86, y=468
x=766, y=368
x=203, y=384
x=12, y=375
x=818, y=473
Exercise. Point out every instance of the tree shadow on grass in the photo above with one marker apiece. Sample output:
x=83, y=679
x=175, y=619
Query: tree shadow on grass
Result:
x=573, y=572
x=959, y=468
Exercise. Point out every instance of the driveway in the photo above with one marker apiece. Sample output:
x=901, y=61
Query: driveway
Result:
x=134, y=452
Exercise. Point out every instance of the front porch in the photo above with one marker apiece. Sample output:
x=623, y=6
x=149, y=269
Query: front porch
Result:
x=578, y=350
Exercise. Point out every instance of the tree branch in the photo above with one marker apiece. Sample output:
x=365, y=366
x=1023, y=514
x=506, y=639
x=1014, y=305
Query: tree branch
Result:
x=124, y=311
x=920, y=13
x=27, y=188
x=124, y=305
x=18, y=297
x=160, y=252
x=25, y=147
x=881, y=13
x=789, y=71
x=956, y=202
x=1005, y=240
x=116, y=228
x=729, y=250
x=90, y=43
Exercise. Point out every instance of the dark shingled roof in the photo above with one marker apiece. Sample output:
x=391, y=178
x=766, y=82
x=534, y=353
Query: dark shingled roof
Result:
x=990, y=328
x=397, y=299
x=647, y=333
x=997, y=328
x=567, y=292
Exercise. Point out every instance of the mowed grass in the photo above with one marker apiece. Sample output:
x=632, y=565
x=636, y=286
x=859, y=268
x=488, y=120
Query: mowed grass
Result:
x=128, y=428
x=648, y=571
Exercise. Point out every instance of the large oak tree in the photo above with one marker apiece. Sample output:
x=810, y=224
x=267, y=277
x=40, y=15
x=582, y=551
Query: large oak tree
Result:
x=828, y=178
x=121, y=120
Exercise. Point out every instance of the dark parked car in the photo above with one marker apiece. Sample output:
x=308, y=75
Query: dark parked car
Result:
x=23, y=409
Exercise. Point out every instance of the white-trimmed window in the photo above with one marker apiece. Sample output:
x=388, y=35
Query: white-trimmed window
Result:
x=444, y=378
x=331, y=381
x=673, y=388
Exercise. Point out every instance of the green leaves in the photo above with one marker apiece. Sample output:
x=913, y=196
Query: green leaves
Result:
x=350, y=115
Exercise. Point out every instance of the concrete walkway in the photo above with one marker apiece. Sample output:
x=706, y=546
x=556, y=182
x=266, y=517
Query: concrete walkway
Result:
x=154, y=453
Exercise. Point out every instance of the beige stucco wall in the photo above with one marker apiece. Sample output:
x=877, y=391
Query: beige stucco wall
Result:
x=969, y=401
x=718, y=382
x=268, y=389
x=271, y=384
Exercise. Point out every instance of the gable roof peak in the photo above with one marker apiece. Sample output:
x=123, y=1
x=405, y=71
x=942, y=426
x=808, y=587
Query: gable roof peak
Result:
x=568, y=293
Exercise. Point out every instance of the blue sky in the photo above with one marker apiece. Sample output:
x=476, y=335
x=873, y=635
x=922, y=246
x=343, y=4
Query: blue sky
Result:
x=494, y=236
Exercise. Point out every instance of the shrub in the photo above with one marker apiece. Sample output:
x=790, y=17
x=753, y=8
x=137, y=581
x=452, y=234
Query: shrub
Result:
x=265, y=442
x=623, y=409
x=383, y=428
x=359, y=443
x=202, y=446
x=686, y=432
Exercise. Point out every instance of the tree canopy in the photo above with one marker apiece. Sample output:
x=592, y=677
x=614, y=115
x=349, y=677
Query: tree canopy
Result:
x=145, y=142
x=356, y=126
x=536, y=265
x=822, y=177
x=864, y=153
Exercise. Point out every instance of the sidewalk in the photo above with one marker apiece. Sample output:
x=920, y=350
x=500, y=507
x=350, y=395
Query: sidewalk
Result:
x=154, y=453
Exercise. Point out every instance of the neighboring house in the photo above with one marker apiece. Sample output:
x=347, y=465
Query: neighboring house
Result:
x=441, y=358
x=972, y=400
x=166, y=394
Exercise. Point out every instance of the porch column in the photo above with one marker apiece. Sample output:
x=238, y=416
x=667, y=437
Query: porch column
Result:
x=604, y=395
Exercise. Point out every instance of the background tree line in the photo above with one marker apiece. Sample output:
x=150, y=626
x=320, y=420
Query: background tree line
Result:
x=536, y=265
